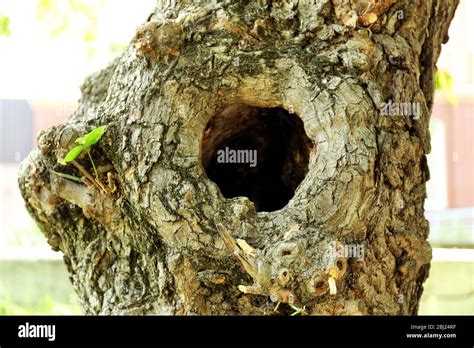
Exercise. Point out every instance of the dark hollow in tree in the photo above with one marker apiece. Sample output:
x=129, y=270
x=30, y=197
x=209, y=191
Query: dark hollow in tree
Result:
x=281, y=147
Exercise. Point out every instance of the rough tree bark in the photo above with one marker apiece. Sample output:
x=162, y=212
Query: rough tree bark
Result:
x=168, y=242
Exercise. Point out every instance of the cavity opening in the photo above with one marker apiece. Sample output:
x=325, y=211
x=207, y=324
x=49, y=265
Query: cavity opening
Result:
x=259, y=153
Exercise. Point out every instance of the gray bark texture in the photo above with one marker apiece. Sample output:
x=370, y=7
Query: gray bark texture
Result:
x=167, y=241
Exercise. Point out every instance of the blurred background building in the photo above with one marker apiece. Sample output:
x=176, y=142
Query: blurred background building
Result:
x=47, y=49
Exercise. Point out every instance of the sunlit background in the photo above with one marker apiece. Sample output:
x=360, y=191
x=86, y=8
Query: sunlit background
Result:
x=48, y=47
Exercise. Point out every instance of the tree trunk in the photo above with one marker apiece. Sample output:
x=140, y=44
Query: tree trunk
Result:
x=334, y=96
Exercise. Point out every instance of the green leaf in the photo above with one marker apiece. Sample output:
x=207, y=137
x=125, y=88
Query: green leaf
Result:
x=76, y=151
x=4, y=26
x=46, y=9
x=91, y=138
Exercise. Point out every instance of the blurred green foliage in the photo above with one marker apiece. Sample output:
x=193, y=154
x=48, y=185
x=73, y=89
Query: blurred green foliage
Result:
x=36, y=287
x=444, y=82
x=59, y=16
x=69, y=17
x=44, y=306
x=4, y=25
